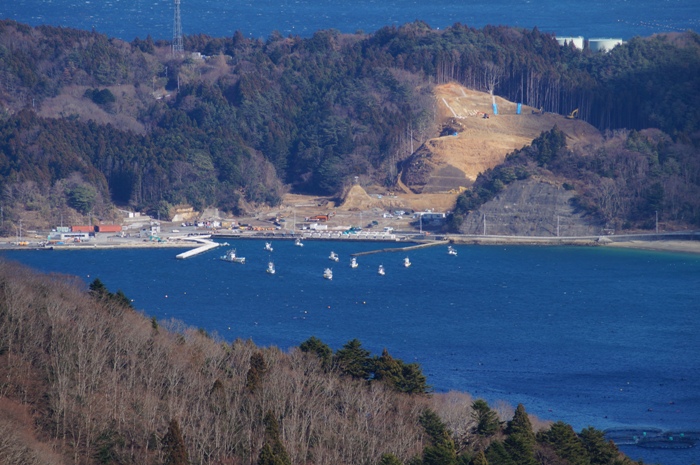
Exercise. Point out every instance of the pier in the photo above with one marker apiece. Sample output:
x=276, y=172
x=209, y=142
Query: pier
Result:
x=206, y=246
x=401, y=249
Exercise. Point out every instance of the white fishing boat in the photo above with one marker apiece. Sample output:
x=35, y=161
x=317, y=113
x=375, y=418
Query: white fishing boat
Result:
x=333, y=256
x=451, y=250
x=353, y=263
x=268, y=247
x=381, y=271
x=406, y=262
x=328, y=273
x=298, y=242
x=231, y=256
x=270, y=268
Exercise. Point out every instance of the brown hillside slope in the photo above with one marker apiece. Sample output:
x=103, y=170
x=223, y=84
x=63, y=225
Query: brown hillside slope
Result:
x=448, y=162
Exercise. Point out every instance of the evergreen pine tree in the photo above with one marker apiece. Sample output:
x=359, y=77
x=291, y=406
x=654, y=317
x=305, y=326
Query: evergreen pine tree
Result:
x=521, y=442
x=480, y=459
x=442, y=450
x=520, y=424
x=400, y=376
x=413, y=381
x=353, y=360
x=600, y=451
x=174, y=450
x=316, y=346
x=389, y=459
x=496, y=454
x=387, y=369
x=486, y=419
x=273, y=451
x=122, y=299
x=258, y=367
x=566, y=443
x=98, y=289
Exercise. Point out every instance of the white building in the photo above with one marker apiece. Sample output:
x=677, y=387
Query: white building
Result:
x=577, y=41
x=603, y=45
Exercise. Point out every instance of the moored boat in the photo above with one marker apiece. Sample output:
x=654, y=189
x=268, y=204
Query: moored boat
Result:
x=231, y=256
x=353, y=263
x=333, y=256
x=270, y=268
x=328, y=273
x=298, y=242
x=268, y=246
x=406, y=262
x=381, y=271
x=451, y=250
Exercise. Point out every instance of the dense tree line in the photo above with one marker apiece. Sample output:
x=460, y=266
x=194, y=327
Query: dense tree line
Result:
x=96, y=382
x=306, y=113
x=353, y=360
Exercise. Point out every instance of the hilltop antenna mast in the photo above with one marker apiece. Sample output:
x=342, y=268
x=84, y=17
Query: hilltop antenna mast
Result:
x=178, y=47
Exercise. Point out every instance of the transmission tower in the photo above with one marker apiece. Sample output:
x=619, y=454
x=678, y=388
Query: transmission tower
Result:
x=178, y=48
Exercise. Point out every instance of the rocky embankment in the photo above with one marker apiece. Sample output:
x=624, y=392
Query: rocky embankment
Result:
x=533, y=207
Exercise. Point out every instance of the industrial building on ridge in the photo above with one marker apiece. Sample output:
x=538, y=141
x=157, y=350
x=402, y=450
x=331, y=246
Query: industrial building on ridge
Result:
x=595, y=45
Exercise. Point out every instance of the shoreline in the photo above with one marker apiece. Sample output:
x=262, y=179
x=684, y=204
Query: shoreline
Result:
x=657, y=245
x=690, y=247
x=651, y=244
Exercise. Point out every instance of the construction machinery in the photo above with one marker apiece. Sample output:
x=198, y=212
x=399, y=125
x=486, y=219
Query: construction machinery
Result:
x=573, y=114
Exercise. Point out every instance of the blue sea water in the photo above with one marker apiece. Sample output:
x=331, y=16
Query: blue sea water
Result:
x=591, y=336
x=127, y=19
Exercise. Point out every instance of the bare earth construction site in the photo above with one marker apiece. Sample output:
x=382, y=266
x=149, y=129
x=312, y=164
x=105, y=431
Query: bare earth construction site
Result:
x=472, y=139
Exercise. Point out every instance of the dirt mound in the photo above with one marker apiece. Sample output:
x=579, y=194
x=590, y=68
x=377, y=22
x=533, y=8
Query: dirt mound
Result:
x=357, y=199
x=474, y=139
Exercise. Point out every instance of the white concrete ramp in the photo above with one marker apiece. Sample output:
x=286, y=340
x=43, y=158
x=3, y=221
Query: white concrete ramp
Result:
x=206, y=246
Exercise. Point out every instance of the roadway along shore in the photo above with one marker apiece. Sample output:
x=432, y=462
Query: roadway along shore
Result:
x=657, y=243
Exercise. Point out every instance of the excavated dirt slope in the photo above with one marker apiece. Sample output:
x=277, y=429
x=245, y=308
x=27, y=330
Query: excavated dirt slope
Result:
x=433, y=176
x=450, y=161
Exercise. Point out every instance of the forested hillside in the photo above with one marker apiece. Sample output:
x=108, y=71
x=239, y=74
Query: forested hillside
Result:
x=85, y=379
x=150, y=130
x=622, y=185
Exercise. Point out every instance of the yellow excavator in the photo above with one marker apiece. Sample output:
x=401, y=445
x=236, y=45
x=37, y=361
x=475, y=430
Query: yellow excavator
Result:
x=573, y=114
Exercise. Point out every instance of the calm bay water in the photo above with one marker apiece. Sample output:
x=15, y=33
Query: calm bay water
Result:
x=597, y=337
x=591, y=336
x=127, y=19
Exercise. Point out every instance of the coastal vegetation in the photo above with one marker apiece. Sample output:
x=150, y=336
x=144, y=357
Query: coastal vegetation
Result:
x=90, y=122
x=86, y=379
